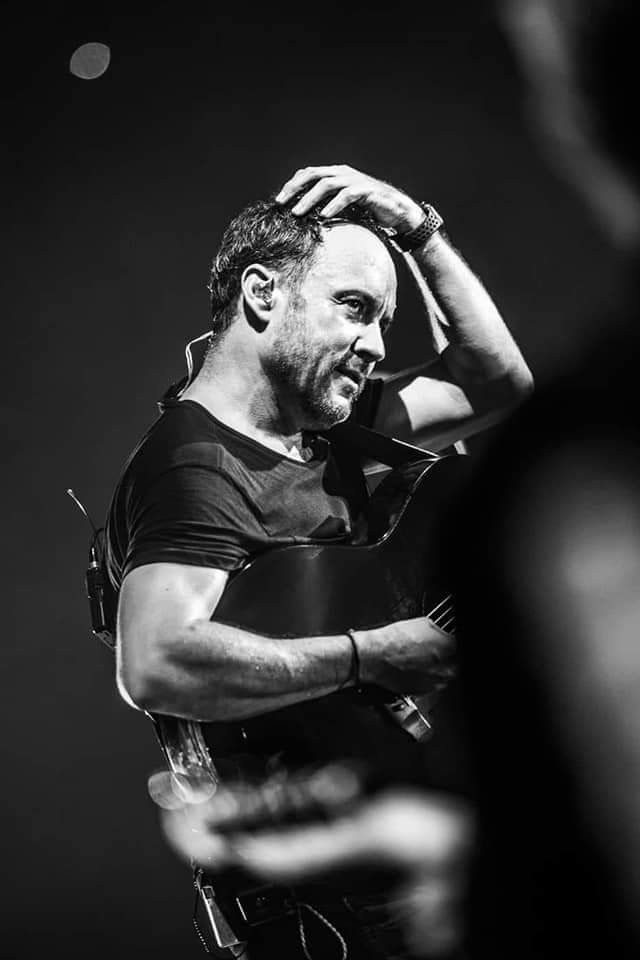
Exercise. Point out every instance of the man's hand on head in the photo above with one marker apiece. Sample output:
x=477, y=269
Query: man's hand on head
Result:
x=332, y=189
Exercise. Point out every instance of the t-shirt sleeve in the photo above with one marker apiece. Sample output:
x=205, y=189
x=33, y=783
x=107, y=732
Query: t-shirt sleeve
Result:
x=192, y=515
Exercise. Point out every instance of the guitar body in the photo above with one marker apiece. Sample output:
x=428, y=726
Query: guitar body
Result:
x=323, y=589
x=316, y=589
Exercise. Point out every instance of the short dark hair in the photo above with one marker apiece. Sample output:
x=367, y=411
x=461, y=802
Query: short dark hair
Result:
x=267, y=232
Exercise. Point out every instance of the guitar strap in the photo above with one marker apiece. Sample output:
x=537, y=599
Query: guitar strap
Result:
x=376, y=446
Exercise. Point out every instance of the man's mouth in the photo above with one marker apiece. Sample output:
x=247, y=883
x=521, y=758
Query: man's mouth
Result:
x=354, y=375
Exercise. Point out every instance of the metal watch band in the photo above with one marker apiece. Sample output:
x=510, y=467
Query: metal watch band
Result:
x=415, y=238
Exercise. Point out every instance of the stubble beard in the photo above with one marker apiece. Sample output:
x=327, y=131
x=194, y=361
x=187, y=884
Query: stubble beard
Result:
x=303, y=385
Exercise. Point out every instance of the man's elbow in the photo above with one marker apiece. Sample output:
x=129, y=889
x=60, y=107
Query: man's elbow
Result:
x=522, y=383
x=510, y=390
x=497, y=388
x=498, y=398
x=143, y=682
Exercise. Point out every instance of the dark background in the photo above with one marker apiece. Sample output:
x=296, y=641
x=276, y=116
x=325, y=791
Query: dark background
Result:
x=117, y=193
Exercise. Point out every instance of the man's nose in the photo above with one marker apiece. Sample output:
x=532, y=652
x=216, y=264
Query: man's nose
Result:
x=371, y=344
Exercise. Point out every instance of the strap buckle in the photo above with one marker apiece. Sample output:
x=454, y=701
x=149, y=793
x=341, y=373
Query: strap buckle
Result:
x=222, y=933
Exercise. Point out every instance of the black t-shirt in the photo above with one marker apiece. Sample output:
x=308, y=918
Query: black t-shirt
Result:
x=195, y=491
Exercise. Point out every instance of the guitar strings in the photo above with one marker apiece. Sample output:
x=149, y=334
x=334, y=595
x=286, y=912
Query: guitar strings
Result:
x=443, y=614
x=444, y=600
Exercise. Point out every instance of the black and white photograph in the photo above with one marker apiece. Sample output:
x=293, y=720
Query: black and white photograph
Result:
x=322, y=486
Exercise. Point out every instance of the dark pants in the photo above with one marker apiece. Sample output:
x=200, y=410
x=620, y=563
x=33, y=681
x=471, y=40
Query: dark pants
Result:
x=363, y=925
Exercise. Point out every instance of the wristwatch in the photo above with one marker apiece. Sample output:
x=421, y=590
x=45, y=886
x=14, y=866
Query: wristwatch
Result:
x=430, y=224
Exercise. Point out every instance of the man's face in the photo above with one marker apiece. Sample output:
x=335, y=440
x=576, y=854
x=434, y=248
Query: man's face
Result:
x=330, y=335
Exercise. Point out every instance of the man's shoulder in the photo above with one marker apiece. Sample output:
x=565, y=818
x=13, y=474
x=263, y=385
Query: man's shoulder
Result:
x=186, y=435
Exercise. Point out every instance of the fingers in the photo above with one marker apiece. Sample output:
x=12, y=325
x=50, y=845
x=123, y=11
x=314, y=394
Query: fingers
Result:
x=308, y=176
x=339, y=185
x=188, y=836
x=332, y=189
x=323, y=189
x=404, y=829
x=302, y=851
x=280, y=854
x=342, y=200
x=419, y=830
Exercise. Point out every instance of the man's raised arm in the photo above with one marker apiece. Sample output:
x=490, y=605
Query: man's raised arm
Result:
x=481, y=375
x=477, y=379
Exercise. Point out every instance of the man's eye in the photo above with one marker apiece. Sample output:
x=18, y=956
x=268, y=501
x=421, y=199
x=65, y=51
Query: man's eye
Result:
x=353, y=304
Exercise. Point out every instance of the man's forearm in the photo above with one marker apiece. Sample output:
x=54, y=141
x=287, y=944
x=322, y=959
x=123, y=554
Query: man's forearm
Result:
x=215, y=671
x=481, y=348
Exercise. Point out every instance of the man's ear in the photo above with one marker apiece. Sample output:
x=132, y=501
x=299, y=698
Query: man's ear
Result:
x=258, y=284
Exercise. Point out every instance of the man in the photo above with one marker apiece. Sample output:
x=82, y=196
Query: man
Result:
x=301, y=299
x=553, y=560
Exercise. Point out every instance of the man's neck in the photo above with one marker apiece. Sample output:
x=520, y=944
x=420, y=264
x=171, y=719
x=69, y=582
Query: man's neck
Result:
x=240, y=397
